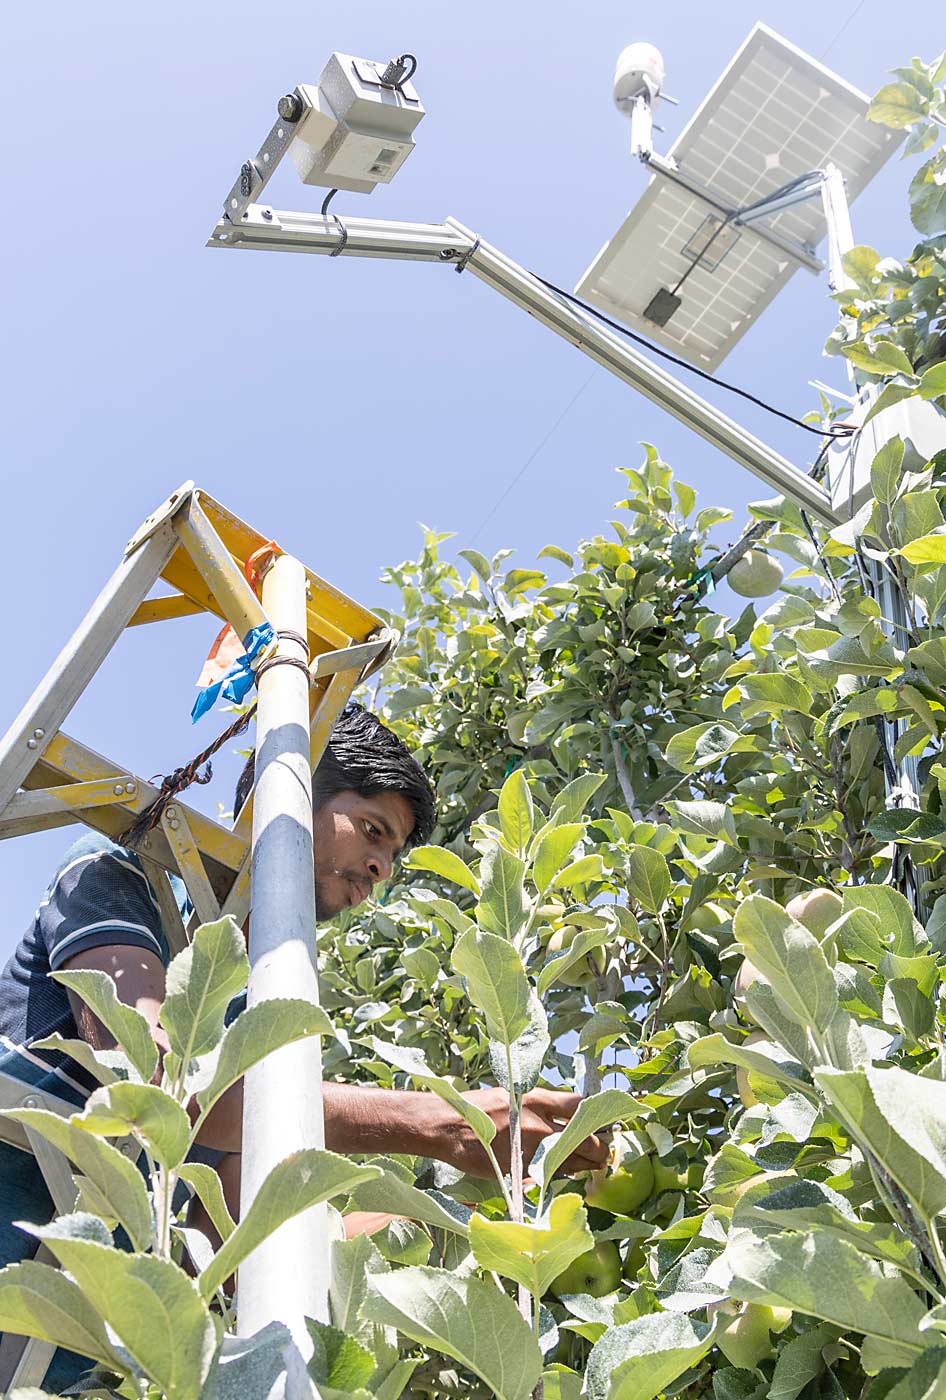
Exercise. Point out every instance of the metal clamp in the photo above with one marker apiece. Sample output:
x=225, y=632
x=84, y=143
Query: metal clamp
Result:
x=464, y=258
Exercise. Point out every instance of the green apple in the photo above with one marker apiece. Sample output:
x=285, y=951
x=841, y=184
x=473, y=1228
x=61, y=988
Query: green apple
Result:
x=667, y=1178
x=596, y=1272
x=746, y=1340
x=623, y=1189
x=583, y=972
x=817, y=910
x=755, y=575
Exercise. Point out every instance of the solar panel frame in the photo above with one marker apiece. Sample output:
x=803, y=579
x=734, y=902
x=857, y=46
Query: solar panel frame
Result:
x=772, y=115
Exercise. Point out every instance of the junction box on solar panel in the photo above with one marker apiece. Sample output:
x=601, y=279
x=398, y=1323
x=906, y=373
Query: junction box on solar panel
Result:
x=357, y=130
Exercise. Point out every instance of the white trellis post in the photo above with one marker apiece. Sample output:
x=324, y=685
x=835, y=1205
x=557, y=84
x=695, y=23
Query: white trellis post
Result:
x=286, y=1277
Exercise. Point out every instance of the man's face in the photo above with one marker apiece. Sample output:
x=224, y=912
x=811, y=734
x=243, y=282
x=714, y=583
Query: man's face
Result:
x=357, y=840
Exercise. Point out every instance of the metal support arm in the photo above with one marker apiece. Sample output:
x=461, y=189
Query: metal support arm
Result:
x=450, y=242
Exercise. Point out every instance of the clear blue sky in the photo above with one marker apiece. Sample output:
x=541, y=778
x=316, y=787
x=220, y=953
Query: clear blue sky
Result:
x=336, y=403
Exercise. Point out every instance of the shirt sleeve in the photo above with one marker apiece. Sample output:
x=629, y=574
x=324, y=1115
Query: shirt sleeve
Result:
x=99, y=900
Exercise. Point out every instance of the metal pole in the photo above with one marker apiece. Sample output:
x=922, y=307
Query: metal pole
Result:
x=286, y=1278
x=451, y=243
x=905, y=791
x=642, y=127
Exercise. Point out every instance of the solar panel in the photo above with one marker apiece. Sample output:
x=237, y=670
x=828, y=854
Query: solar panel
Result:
x=773, y=115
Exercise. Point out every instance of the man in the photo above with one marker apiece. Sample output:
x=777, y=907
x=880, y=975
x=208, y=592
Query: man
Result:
x=371, y=802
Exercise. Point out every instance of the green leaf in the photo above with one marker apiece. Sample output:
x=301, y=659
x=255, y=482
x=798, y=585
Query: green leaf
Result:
x=889, y=395
x=701, y=746
x=804, y=1206
x=926, y=549
x=469, y=1319
x=552, y=551
x=533, y=1254
x=445, y=863
x=893, y=1113
x=899, y=926
x=522, y=580
x=714, y=820
x=640, y=1359
x=201, y=981
x=495, y=981
x=594, y=1112
x=790, y=958
x=799, y=1361
x=898, y=105
x=764, y=1058
x=254, y=1034
x=772, y=692
x=526, y=1054
x=338, y=1360
x=117, y=1179
x=648, y=878
x=209, y=1192
x=552, y=850
x=928, y=197
x=411, y=1061
x=933, y=381
x=389, y=1194
x=583, y=942
x=883, y=357
x=860, y=264
x=154, y=1308
x=503, y=908
x=352, y=1261
x=569, y=804
x=37, y=1300
x=301, y=1180
x=516, y=813
x=885, y=470
x=143, y=1110
x=478, y=561
x=907, y=826
x=579, y=872
x=129, y=1028
x=828, y=1278
x=103, y=1065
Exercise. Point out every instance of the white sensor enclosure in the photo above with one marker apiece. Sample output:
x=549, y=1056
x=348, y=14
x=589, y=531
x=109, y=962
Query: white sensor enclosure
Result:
x=356, y=132
x=639, y=73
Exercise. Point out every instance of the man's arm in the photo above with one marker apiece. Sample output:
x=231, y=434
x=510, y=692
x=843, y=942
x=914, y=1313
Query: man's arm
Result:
x=358, y=1118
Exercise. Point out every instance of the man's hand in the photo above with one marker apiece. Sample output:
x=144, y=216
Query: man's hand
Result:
x=544, y=1111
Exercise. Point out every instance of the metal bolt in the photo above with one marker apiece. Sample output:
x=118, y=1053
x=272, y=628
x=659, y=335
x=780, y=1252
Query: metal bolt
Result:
x=290, y=107
x=30, y=1102
x=172, y=813
x=130, y=787
x=267, y=213
x=39, y=733
x=118, y=789
x=31, y=743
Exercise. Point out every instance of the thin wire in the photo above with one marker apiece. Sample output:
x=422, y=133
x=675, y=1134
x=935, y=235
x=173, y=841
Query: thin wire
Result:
x=327, y=201
x=840, y=431
x=851, y=17
x=532, y=456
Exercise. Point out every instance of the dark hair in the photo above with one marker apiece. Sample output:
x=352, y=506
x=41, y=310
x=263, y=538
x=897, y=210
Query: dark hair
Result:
x=363, y=756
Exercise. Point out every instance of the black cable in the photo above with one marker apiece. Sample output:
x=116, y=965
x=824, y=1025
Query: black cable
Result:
x=406, y=58
x=327, y=201
x=840, y=431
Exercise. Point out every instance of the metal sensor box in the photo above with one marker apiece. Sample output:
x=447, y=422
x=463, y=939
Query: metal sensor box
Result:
x=357, y=131
x=919, y=423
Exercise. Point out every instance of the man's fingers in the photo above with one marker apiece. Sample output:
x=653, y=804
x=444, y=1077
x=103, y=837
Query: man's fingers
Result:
x=552, y=1104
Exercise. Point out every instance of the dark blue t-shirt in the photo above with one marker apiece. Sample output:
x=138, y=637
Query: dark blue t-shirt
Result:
x=99, y=896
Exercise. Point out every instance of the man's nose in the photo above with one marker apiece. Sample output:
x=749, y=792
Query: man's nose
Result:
x=380, y=865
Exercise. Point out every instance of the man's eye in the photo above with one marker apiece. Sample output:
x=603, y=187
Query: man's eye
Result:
x=372, y=831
